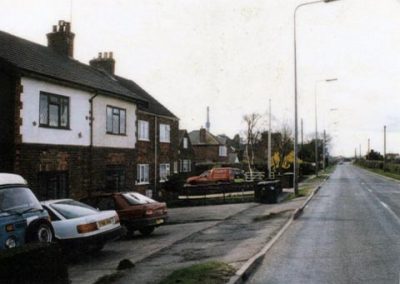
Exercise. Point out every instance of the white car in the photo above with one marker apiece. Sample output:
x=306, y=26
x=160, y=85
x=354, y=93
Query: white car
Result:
x=78, y=225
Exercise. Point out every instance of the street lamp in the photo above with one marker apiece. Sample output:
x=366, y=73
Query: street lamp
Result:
x=316, y=125
x=295, y=163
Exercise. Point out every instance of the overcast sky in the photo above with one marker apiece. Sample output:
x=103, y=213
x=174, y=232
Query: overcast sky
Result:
x=233, y=55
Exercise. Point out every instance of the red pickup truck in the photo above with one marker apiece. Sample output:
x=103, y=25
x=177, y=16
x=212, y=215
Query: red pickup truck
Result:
x=216, y=175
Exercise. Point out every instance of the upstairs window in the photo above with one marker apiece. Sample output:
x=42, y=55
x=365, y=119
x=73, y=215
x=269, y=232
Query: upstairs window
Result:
x=222, y=151
x=165, y=133
x=143, y=130
x=185, y=143
x=53, y=111
x=116, y=120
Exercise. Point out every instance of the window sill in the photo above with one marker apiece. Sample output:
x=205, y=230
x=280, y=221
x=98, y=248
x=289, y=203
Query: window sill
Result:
x=115, y=134
x=54, y=127
x=144, y=140
x=142, y=183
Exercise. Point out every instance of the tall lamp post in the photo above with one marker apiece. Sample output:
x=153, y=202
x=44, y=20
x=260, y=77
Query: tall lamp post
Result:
x=295, y=164
x=316, y=124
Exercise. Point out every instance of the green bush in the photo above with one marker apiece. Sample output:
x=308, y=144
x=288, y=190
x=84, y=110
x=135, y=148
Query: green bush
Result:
x=33, y=263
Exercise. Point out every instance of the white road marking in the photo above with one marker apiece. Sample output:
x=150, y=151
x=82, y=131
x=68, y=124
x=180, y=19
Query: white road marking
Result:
x=387, y=207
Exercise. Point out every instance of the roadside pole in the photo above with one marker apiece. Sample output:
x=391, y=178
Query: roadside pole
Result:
x=269, y=143
x=384, y=147
x=323, y=151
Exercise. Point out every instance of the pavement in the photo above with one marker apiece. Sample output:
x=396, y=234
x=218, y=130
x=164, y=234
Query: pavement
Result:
x=87, y=268
x=347, y=234
x=194, y=234
x=234, y=241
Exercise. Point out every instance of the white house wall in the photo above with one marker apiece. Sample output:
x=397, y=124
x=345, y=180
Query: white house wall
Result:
x=79, y=132
x=100, y=137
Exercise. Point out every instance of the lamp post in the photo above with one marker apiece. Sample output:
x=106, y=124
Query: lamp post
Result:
x=316, y=124
x=295, y=163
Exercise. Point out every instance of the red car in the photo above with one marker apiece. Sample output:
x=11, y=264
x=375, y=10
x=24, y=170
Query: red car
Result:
x=216, y=175
x=136, y=211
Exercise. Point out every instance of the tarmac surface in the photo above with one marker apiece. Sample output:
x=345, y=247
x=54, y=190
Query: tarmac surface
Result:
x=349, y=233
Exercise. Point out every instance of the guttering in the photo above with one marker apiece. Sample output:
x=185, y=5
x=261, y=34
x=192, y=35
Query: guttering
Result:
x=155, y=155
x=91, y=119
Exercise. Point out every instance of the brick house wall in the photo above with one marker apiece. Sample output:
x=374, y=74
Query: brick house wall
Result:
x=208, y=153
x=8, y=98
x=166, y=152
x=186, y=153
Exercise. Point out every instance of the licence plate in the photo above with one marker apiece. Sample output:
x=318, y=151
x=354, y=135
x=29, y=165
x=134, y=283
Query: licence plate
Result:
x=103, y=223
x=159, y=221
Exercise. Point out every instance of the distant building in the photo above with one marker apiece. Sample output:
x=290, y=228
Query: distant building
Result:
x=209, y=149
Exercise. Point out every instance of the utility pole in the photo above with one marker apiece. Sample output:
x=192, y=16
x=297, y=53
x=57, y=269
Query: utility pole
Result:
x=302, y=141
x=384, y=147
x=355, y=153
x=369, y=149
x=323, y=151
x=269, y=143
x=360, y=151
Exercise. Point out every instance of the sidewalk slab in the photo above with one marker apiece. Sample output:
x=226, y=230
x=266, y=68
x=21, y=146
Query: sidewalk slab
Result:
x=234, y=241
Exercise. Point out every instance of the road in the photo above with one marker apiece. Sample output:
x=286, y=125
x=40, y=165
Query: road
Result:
x=349, y=233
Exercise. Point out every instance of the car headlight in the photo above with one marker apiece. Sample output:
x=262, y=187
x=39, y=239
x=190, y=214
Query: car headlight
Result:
x=10, y=243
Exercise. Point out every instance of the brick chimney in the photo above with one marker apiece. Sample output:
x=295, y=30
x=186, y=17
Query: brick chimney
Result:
x=61, y=39
x=104, y=61
x=202, y=135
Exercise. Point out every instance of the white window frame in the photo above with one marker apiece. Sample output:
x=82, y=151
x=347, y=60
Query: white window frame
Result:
x=164, y=171
x=143, y=130
x=165, y=130
x=223, y=151
x=176, y=167
x=185, y=142
x=185, y=166
x=143, y=174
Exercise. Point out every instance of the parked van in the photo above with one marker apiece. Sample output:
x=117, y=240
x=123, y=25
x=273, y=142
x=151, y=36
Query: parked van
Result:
x=217, y=175
x=22, y=218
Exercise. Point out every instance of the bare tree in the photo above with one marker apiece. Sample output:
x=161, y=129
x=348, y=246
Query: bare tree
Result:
x=252, y=136
x=283, y=145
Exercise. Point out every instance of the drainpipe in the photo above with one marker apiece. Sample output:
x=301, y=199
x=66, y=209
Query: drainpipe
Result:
x=155, y=155
x=91, y=119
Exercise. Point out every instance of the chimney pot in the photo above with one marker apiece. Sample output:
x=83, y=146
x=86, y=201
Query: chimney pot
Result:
x=111, y=54
x=105, y=54
x=61, y=39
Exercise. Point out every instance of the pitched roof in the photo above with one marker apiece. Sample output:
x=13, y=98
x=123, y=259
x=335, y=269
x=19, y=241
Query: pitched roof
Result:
x=154, y=106
x=210, y=139
x=40, y=60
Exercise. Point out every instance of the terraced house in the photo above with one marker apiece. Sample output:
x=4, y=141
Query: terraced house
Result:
x=70, y=128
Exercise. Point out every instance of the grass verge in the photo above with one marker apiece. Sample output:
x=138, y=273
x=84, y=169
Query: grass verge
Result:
x=270, y=215
x=212, y=272
x=381, y=172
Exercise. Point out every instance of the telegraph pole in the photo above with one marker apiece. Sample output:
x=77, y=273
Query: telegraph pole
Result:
x=323, y=151
x=269, y=143
x=302, y=141
x=369, y=149
x=384, y=147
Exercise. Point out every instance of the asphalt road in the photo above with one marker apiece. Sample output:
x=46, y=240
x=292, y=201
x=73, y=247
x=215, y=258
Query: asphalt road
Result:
x=349, y=233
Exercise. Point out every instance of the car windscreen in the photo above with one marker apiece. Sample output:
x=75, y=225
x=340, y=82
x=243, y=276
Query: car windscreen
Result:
x=135, y=198
x=70, y=209
x=18, y=200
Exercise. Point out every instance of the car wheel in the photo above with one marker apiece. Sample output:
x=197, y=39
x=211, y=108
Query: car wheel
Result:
x=40, y=232
x=146, y=231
